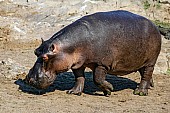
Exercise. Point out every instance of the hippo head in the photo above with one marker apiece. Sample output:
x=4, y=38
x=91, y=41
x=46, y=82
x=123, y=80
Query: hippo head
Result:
x=51, y=60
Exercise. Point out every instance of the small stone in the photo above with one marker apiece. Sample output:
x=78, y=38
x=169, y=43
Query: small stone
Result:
x=121, y=100
x=159, y=94
x=166, y=103
x=3, y=62
x=163, y=108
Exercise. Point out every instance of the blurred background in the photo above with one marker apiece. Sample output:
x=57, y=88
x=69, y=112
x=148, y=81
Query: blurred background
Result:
x=24, y=22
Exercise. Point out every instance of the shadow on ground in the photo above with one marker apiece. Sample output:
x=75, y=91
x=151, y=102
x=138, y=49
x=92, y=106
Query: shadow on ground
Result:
x=65, y=81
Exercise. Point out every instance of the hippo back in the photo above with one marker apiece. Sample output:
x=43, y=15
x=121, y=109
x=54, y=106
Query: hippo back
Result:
x=116, y=39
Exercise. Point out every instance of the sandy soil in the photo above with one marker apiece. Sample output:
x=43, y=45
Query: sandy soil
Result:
x=17, y=97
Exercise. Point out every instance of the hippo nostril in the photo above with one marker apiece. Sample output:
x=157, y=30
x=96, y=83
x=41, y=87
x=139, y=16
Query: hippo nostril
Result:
x=45, y=57
x=31, y=80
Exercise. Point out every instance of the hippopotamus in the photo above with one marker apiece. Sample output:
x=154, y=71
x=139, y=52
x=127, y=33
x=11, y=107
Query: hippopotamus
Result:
x=116, y=43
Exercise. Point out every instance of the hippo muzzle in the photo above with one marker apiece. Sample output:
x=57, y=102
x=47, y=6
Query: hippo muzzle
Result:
x=38, y=78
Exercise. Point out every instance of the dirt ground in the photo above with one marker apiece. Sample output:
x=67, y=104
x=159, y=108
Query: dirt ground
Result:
x=17, y=97
x=21, y=21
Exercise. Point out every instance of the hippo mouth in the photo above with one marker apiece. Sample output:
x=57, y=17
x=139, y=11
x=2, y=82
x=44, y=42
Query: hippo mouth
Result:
x=39, y=78
x=40, y=83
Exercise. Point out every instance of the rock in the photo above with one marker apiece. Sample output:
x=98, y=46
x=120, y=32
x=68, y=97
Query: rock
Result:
x=28, y=20
x=163, y=62
x=161, y=66
x=165, y=1
x=12, y=70
x=168, y=60
x=165, y=31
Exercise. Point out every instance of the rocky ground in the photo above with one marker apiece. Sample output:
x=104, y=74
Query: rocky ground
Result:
x=24, y=22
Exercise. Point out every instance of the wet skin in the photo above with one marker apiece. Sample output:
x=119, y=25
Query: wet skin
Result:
x=116, y=43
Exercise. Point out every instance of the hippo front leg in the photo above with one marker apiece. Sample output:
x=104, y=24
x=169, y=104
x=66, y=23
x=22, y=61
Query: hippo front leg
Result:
x=146, y=81
x=99, y=79
x=79, y=85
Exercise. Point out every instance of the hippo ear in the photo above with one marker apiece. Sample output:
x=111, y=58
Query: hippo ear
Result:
x=42, y=40
x=54, y=48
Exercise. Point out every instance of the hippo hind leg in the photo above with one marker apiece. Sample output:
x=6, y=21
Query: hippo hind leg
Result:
x=99, y=79
x=146, y=81
x=80, y=79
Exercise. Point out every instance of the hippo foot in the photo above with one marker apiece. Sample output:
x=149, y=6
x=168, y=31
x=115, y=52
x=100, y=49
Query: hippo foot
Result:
x=107, y=93
x=74, y=91
x=140, y=92
x=78, y=88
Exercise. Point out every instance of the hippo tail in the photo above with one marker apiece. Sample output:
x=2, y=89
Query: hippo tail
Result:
x=165, y=32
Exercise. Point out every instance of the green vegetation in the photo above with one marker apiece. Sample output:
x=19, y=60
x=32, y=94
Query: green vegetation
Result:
x=168, y=71
x=158, y=5
x=162, y=24
x=146, y=5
